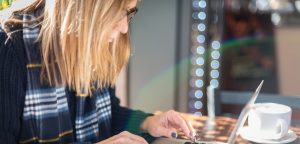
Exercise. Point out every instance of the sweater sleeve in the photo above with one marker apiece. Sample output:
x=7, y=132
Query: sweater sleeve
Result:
x=124, y=119
x=12, y=88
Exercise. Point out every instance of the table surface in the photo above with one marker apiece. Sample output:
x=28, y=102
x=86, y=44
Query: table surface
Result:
x=216, y=129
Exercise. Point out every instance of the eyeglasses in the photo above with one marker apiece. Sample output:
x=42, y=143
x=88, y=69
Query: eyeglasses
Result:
x=130, y=13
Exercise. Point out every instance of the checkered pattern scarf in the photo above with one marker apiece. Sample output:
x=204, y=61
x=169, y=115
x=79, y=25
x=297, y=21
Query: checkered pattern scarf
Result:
x=47, y=117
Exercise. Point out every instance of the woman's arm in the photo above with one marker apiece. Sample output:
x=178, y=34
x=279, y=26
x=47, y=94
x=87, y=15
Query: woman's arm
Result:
x=12, y=91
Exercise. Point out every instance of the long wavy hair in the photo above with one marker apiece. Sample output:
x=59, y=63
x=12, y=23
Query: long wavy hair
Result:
x=74, y=42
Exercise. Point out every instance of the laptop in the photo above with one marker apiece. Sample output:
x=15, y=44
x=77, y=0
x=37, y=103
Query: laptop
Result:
x=235, y=132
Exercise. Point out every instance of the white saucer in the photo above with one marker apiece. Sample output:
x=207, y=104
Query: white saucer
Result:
x=247, y=134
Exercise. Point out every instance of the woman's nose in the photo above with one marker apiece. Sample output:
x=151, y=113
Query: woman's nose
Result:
x=123, y=26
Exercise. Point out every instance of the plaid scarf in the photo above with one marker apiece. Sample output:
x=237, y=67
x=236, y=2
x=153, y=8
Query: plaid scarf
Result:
x=47, y=113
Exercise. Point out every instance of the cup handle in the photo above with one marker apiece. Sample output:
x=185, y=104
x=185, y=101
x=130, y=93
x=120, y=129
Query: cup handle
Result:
x=283, y=129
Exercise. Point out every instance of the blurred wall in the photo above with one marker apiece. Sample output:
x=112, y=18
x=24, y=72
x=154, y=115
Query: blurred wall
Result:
x=151, y=69
x=121, y=87
x=288, y=59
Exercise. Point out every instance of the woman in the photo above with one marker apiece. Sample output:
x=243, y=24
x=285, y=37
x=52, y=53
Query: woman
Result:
x=59, y=60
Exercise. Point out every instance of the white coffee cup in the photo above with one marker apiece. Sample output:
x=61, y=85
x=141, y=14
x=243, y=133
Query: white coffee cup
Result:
x=270, y=120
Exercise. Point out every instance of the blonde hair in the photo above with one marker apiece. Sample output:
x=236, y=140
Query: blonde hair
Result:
x=74, y=43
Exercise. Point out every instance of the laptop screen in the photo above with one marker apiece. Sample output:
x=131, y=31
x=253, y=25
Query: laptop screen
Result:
x=244, y=114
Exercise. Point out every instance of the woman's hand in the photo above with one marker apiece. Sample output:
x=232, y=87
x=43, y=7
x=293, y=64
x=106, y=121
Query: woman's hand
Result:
x=165, y=124
x=124, y=138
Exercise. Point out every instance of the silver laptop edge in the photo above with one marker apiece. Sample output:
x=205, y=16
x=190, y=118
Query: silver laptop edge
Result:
x=244, y=114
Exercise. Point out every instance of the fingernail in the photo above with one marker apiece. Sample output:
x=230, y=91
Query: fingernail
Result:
x=174, y=134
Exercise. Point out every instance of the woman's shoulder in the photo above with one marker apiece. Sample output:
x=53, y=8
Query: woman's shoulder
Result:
x=3, y=35
x=12, y=44
x=9, y=34
x=4, y=40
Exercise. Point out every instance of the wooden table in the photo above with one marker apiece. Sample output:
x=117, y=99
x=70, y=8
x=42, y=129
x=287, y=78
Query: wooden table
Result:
x=217, y=129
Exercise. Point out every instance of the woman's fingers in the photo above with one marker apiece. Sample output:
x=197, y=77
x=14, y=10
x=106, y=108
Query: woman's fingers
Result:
x=124, y=138
x=167, y=132
x=192, y=130
x=180, y=122
x=165, y=124
x=133, y=137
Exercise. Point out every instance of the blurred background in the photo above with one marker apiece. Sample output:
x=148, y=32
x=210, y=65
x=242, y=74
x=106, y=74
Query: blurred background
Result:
x=182, y=46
